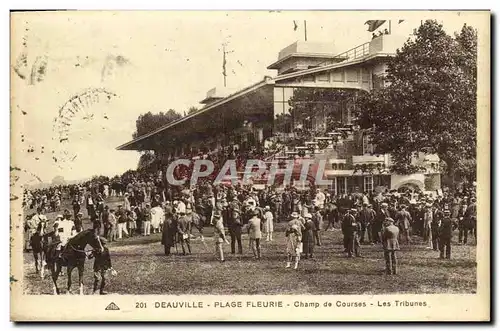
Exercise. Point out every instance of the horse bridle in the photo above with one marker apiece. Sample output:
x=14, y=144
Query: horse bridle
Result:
x=84, y=251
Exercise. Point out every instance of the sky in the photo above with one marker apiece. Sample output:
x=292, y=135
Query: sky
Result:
x=153, y=61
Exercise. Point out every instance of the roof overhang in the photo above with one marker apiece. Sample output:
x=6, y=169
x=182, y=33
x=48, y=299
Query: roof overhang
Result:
x=144, y=142
x=277, y=64
x=358, y=61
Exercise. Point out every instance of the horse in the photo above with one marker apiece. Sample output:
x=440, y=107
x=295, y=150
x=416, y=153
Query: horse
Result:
x=38, y=245
x=73, y=256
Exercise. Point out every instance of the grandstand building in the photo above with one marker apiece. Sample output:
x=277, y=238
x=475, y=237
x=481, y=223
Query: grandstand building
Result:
x=268, y=116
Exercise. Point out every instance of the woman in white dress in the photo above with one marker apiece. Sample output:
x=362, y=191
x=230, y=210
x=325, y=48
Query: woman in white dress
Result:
x=293, y=235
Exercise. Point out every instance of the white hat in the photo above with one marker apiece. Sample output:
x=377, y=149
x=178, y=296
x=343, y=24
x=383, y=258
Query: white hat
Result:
x=307, y=215
x=59, y=216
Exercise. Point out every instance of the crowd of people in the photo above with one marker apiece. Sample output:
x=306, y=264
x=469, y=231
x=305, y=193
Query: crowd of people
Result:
x=364, y=218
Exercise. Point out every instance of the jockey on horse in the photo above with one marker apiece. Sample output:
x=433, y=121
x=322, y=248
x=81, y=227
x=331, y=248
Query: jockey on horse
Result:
x=33, y=223
x=65, y=230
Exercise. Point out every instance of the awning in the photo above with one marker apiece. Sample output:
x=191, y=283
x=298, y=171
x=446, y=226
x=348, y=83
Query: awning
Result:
x=253, y=101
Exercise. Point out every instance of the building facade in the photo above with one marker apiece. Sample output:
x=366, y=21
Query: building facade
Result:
x=306, y=111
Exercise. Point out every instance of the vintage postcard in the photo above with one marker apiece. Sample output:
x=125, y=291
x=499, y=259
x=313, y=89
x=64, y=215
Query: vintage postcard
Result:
x=250, y=166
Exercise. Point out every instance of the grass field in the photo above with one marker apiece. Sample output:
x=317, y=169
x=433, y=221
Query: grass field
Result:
x=144, y=269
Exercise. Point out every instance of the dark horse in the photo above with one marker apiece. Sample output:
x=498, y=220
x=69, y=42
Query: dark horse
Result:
x=38, y=242
x=73, y=255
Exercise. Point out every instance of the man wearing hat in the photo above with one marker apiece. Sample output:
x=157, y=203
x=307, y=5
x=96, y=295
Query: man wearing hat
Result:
x=317, y=218
x=379, y=221
x=235, y=223
x=403, y=219
x=445, y=233
x=122, y=219
x=366, y=218
x=390, y=234
x=65, y=231
x=462, y=229
x=183, y=231
x=102, y=263
x=308, y=236
x=32, y=223
x=254, y=233
x=79, y=222
x=268, y=223
x=471, y=219
x=219, y=235
x=351, y=229
x=146, y=220
x=428, y=219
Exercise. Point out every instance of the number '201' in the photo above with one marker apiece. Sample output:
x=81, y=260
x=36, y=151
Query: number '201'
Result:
x=140, y=305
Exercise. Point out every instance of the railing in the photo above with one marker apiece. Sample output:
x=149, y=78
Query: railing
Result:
x=353, y=53
x=356, y=52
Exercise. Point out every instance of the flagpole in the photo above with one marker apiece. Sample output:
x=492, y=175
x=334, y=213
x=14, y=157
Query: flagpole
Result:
x=305, y=30
x=224, y=63
x=390, y=26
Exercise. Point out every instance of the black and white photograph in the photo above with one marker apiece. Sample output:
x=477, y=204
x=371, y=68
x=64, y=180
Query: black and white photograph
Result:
x=242, y=154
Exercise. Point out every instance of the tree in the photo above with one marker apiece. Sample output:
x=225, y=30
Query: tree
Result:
x=149, y=122
x=146, y=159
x=58, y=180
x=429, y=102
x=307, y=103
x=192, y=110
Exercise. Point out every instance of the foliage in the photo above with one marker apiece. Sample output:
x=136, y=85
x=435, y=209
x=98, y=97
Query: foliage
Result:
x=307, y=103
x=58, y=180
x=149, y=122
x=429, y=101
x=146, y=159
x=192, y=110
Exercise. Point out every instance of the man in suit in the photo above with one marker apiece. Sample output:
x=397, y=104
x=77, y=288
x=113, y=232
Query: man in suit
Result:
x=445, y=232
x=234, y=226
x=471, y=219
x=318, y=225
x=428, y=219
x=366, y=218
x=351, y=229
x=403, y=219
x=379, y=221
x=183, y=231
x=390, y=234
x=347, y=220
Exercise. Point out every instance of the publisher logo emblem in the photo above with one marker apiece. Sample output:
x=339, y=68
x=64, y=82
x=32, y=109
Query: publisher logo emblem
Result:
x=112, y=306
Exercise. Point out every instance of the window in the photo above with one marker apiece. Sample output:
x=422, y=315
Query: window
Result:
x=352, y=75
x=365, y=75
x=309, y=78
x=278, y=94
x=352, y=184
x=378, y=81
x=367, y=145
x=338, y=76
x=282, y=116
x=323, y=77
x=333, y=187
x=341, y=185
x=368, y=184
